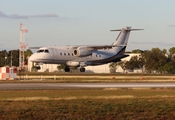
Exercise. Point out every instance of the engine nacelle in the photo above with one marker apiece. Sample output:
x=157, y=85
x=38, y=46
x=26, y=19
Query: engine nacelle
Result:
x=82, y=52
x=73, y=63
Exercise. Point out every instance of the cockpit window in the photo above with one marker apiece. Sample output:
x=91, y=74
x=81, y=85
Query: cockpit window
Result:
x=43, y=51
x=46, y=51
x=40, y=51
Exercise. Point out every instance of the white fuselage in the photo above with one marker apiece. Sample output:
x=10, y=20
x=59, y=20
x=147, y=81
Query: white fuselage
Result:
x=81, y=56
x=64, y=55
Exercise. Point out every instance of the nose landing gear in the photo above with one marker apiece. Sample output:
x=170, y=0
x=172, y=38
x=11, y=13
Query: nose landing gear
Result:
x=38, y=67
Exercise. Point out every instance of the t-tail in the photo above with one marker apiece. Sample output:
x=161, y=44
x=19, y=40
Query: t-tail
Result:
x=122, y=40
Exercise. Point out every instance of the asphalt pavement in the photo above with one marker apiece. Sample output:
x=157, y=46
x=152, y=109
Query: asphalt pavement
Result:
x=28, y=86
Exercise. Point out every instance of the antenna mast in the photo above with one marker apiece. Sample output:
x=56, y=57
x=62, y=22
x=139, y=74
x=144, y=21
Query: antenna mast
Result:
x=22, y=45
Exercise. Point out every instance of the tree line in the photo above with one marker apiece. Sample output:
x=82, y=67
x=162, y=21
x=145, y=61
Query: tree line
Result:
x=8, y=58
x=149, y=61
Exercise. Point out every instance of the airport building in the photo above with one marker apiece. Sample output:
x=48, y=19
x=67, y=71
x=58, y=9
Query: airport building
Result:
x=105, y=68
x=7, y=73
x=94, y=69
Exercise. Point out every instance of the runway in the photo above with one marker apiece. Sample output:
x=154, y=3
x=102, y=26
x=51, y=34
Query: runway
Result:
x=28, y=86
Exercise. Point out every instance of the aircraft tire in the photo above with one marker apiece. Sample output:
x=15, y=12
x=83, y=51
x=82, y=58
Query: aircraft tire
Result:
x=67, y=69
x=82, y=69
x=38, y=67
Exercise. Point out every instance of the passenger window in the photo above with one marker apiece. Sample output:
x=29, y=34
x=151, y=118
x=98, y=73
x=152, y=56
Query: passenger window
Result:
x=64, y=53
x=60, y=53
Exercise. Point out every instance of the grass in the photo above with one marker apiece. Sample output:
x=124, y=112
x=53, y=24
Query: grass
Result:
x=124, y=104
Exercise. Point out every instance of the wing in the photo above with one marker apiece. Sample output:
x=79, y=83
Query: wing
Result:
x=34, y=47
x=89, y=47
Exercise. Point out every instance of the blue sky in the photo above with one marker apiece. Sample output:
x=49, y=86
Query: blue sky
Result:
x=80, y=22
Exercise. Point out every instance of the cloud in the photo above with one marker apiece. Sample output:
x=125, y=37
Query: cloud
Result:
x=153, y=43
x=136, y=42
x=171, y=25
x=46, y=15
x=16, y=16
x=13, y=16
x=3, y=15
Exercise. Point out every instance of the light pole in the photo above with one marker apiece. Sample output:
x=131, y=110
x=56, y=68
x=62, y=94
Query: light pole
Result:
x=11, y=59
x=5, y=60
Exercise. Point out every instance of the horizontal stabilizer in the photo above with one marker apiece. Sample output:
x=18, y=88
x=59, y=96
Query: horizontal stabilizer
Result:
x=127, y=29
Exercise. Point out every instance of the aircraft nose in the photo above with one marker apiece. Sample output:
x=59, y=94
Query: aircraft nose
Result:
x=31, y=58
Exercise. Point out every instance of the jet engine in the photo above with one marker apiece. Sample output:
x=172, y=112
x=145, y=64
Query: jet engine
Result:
x=82, y=52
x=73, y=63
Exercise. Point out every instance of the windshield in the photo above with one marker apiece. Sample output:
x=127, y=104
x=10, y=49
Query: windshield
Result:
x=43, y=51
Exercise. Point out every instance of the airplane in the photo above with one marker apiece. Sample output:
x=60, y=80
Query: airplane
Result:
x=84, y=55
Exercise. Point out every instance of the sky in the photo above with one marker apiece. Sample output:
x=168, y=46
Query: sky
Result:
x=87, y=22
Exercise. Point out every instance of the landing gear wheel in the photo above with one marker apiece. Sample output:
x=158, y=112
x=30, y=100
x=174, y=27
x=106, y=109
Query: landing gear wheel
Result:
x=66, y=69
x=38, y=67
x=82, y=69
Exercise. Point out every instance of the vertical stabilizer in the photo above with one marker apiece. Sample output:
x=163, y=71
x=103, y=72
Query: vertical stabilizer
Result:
x=122, y=39
x=123, y=36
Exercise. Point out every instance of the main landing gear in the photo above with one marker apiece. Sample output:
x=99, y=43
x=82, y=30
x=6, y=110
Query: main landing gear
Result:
x=82, y=69
x=67, y=69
